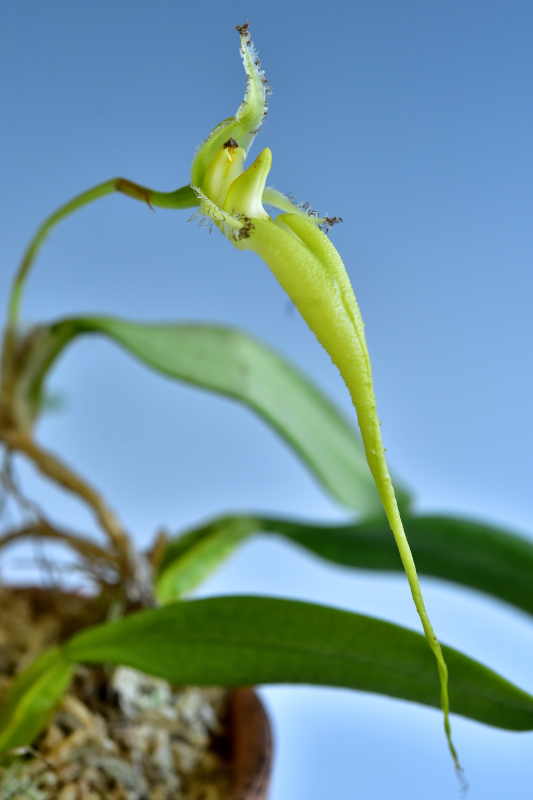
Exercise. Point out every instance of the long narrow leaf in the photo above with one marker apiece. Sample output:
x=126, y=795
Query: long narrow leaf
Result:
x=32, y=698
x=471, y=554
x=232, y=641
x=234, y=364
x=188, y=560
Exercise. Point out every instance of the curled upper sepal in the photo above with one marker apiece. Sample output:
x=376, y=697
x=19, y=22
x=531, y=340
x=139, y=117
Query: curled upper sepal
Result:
x=246, y=122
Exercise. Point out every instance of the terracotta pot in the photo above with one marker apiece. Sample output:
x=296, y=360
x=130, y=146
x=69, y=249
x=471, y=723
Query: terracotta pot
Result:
x=251, y=741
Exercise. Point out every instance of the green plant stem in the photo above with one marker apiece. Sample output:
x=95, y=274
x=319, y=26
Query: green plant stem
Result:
x=181, y=198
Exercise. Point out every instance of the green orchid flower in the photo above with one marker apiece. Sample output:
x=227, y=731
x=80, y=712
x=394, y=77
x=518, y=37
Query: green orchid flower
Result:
x=310, y=270
x=295, y=247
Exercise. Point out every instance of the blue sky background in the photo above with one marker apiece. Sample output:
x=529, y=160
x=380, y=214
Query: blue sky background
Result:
x=411, y=120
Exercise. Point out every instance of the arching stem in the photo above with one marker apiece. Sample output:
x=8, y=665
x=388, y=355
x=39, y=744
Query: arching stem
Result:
x=181, y=198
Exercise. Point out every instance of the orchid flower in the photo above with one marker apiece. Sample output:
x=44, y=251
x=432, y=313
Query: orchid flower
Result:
x=296, y=248
x=310, y=270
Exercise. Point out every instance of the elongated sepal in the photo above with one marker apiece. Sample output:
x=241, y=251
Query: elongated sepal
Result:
x=245, y=194
x=310, y=270
x=245, y=124
x=283, y=202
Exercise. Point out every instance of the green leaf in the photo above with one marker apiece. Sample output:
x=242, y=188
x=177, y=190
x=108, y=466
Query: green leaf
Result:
x=234, y=364
x=473, y=554
x=190, y=559
x=32, y=698
x=461, y=551
x=242, y=641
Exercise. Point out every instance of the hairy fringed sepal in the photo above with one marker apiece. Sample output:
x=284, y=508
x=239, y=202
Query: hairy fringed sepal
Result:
x=217, y=172
x=246, y=123
x=234, y=227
